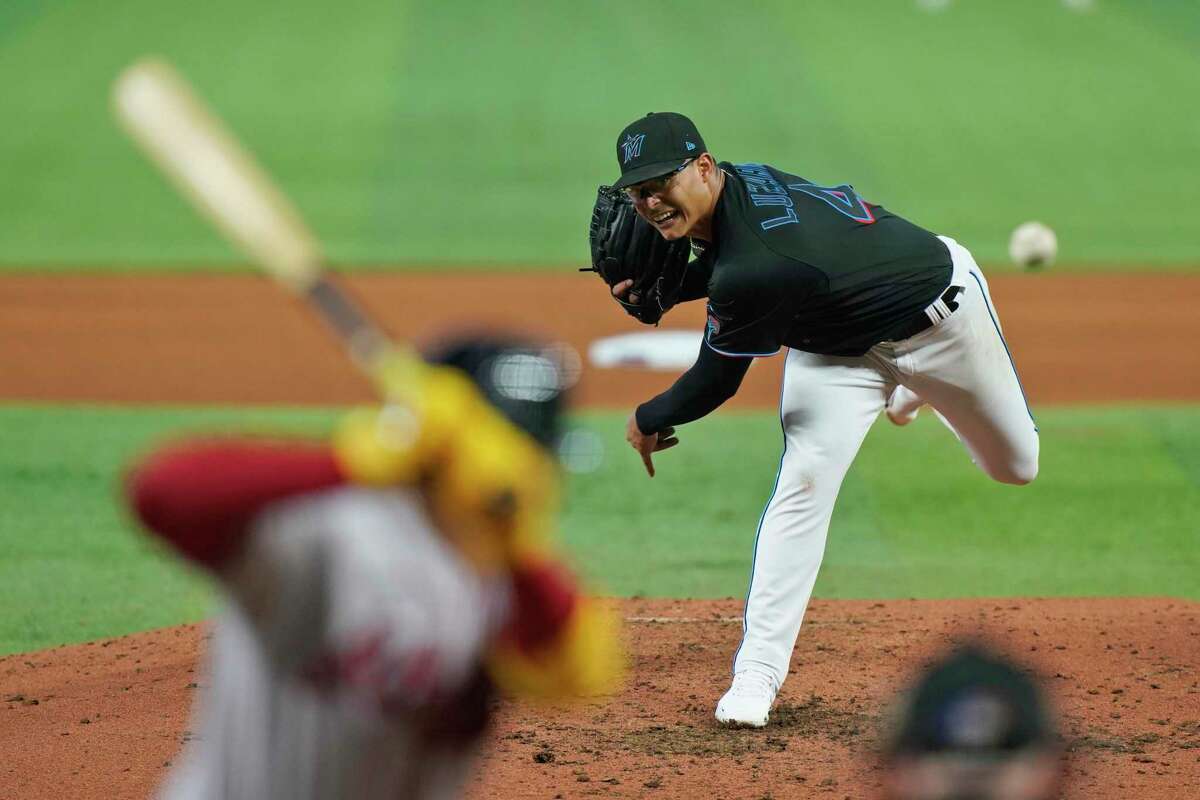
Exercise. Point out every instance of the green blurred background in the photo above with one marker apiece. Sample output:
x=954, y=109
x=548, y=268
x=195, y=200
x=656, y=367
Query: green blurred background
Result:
x=418, y=133
x=414, y=132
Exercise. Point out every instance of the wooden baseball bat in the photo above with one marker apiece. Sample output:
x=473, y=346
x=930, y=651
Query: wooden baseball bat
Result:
x=205, y=161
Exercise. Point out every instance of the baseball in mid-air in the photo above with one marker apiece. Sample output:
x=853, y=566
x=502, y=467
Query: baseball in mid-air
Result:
x=1032, y=245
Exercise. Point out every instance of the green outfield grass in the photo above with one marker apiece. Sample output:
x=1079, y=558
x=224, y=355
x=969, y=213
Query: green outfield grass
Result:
x=1116, y=511
x=421, y=132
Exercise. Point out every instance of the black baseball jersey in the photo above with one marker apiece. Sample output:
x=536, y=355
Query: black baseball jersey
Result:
x=794, y=264
x=814, y=268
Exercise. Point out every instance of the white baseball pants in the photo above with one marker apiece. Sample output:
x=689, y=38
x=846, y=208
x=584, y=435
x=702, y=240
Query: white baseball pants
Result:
x=961, y=367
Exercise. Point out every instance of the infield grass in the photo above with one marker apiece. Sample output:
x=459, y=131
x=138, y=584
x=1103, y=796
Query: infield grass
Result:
x=1115, y=511
x=453, y=132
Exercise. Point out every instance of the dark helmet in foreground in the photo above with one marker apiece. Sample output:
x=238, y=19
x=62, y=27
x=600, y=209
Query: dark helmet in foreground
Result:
x=526, y=381
x=974, y=727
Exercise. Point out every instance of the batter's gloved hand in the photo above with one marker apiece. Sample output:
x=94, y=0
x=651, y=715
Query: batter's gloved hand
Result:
x=560, y=643
x=643, y=270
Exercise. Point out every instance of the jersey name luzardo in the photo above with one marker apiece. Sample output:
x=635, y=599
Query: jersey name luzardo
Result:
x=766, y=191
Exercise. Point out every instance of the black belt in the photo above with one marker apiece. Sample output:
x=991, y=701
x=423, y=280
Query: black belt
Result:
x=922, y=321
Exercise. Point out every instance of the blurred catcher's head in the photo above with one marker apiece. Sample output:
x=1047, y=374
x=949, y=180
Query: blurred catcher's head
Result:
x=974, y=727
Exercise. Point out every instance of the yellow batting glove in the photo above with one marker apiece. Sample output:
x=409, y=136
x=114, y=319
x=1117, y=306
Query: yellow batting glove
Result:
x=397, y=442
x=586, y=659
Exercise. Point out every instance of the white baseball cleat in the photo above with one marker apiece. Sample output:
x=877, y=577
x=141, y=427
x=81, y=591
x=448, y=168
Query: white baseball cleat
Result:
x=749, y=699
x=903, y=405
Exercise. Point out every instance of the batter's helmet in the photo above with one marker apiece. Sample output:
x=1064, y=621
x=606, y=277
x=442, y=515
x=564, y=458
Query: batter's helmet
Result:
x=525, y=381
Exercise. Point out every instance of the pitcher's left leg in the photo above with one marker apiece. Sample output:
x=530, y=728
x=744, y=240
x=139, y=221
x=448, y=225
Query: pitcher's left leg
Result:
x=965, y=370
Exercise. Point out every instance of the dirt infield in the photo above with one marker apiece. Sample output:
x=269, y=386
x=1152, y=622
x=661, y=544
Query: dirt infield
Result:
x=105, y=719
x=239, y=339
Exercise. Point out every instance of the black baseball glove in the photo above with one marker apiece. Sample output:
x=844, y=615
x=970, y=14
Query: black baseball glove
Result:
x=625, y=246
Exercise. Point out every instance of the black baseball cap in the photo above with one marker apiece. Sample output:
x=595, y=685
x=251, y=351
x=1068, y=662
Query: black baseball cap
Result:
x=655, y=145
x=973, y=702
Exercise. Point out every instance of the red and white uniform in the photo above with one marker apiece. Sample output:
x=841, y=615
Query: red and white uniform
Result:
x=347, y=662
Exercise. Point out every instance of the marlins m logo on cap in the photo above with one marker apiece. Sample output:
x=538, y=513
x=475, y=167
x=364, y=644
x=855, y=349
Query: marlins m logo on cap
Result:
x=655, y=145
x=632, y=146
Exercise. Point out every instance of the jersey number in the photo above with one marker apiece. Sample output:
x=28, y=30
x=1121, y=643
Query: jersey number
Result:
x=843, y=199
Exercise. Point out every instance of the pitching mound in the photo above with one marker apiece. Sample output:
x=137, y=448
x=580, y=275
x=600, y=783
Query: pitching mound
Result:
x=104, y=720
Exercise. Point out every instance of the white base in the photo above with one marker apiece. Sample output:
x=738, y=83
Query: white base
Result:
x=656, y=349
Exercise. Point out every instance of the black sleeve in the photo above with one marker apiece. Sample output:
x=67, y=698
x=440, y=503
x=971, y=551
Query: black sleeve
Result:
x=708, y=383
x=695, y=281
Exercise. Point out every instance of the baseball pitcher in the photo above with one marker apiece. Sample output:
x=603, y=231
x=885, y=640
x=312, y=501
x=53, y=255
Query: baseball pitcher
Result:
x=875, y=313
x=380, y=586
